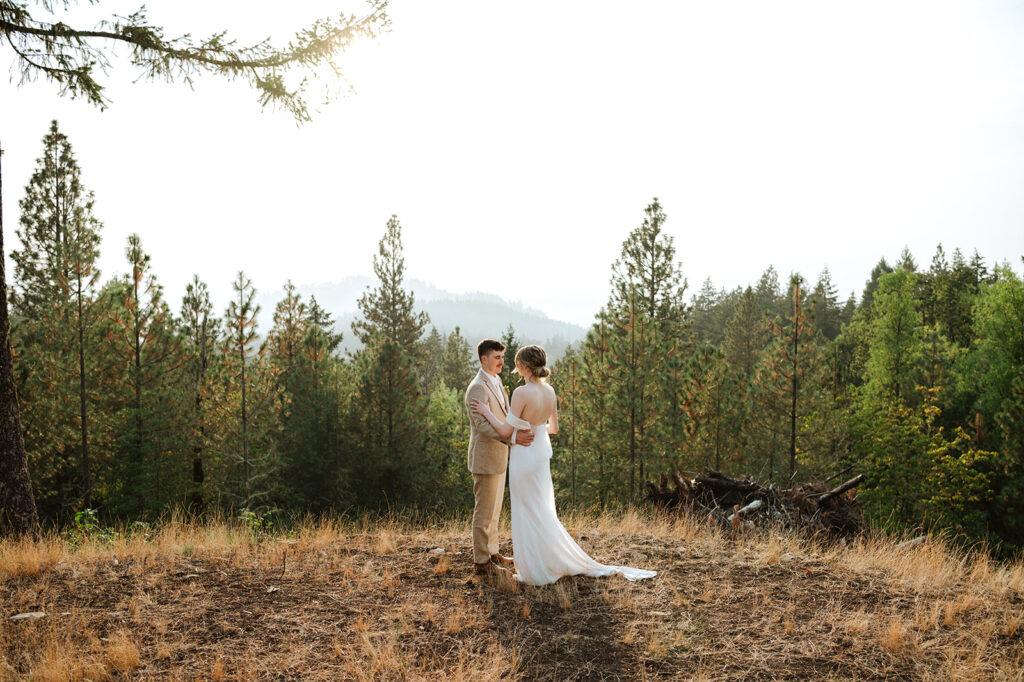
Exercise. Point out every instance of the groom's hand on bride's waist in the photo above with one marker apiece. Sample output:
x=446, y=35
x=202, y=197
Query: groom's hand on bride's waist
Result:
x=523, y=437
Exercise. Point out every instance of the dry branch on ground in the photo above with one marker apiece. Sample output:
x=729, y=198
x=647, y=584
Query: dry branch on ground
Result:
x=730, y=501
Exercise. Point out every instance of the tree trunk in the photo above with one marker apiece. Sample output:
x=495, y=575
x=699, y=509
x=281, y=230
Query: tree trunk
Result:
x=17, y=505
x=245, y=425
x=86, y=476
x=792, y=407
x=632, y=402
x=572, y=432
x=795, y=388
x=643, y=409
x=601, y=442
x=195, y=499
x=137, y=377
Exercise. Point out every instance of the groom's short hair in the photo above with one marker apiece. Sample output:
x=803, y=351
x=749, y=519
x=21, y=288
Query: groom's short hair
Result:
x=488, y=345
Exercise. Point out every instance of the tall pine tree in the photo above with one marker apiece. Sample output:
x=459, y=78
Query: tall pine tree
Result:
x=788, y=384
x=246, y=392
x=150, y=406
x=55, y=279
x=457, y=362
x=644, y=324
x=388, y=310
x=388, y=415
x=200, y=332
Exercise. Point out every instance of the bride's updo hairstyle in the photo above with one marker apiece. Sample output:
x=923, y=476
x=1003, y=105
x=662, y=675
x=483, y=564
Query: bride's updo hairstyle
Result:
x=535, y=359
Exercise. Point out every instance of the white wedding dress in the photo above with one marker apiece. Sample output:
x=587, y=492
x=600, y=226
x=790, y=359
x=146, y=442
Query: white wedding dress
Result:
x=543, y=550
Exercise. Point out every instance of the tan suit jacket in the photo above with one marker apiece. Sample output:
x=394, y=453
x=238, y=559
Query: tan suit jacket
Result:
x=488, y=452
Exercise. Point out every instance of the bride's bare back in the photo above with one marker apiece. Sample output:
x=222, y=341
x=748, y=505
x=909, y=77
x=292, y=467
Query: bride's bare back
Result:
x=536, y=402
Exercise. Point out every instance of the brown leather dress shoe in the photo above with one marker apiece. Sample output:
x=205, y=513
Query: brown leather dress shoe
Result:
x=489, y=568
x=503, y=561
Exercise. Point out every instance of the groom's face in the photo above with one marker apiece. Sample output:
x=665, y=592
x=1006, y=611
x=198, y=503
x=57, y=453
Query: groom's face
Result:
x=493, y=362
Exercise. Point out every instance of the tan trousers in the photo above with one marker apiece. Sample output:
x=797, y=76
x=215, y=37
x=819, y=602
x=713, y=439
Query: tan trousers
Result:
x=488, y=493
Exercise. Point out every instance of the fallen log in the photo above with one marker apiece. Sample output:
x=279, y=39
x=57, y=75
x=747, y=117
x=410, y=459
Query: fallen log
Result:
x=740, y=513
x=835, y=492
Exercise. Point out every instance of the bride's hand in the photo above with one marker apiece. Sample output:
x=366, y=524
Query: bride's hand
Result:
x=480, y=407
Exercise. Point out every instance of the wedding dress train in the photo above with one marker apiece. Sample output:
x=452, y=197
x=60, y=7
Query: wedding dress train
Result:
x=544, y=551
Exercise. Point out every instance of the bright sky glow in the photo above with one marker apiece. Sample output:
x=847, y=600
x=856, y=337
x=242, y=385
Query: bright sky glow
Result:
x=520, y=144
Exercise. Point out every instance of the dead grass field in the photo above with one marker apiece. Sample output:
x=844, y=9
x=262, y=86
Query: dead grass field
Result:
x=369, y=601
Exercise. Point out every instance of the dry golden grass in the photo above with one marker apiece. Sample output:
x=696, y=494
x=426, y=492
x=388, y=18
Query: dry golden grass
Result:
x=367, y=600
x=122, y=654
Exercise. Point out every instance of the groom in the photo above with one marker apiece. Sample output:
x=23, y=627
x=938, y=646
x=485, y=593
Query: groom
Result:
x=488, y=456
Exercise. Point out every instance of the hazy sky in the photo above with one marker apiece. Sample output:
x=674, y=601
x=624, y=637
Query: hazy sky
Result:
x=519, y=145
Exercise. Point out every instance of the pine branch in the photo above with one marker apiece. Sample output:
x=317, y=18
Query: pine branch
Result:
x=69, y=56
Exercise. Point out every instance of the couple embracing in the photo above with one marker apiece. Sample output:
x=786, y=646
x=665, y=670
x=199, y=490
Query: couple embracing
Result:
x=513, y=436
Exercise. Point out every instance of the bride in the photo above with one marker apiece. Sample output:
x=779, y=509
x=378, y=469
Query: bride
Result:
x=544, y=551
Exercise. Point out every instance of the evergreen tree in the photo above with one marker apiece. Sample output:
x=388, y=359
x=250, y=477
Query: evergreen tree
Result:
x=868, y=296
x=389, y=420
x=980, y=270
x=745, y=336
x=248, y=387
x=388, y=311
x=388, y=415
x=315, y=470
x=998, y=355
x=68, y=56
x=432, y=348
x=896, y=338
x=713, y=405
x=509, y=379
x=906, y=261
x=848, y=311
x=647, y=316
x=823, y=304
x=768, y=295
x=447, y=443
x=55, y=278
x=672, y=430
x=704, y=306
x=1008, y=505
x=285, y=337
x=635, y=360
x=566, y=379
x=916, y=475
x=828, y=434
x=600, y=465
x=646, y=276
x=457, y=370
x=200, y=332
x=283, y=348
x=321, y=340
x=956, y=315
x=933, y=287
x=148, y=411
x=788, y=383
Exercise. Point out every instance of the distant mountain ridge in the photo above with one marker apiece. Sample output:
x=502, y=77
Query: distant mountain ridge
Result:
x=478, y=315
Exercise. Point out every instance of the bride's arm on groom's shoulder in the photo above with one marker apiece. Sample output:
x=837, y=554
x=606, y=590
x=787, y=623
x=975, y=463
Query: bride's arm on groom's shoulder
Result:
x=486, y=424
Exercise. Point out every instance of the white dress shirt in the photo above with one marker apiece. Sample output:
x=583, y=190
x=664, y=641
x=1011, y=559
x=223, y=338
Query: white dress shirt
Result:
x=496, y=380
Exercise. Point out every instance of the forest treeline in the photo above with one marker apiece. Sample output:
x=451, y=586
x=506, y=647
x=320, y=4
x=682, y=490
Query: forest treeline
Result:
x=132, y=410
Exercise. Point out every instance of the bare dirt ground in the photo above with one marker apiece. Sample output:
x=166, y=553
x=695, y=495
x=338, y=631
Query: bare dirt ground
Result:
x=370, y=601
